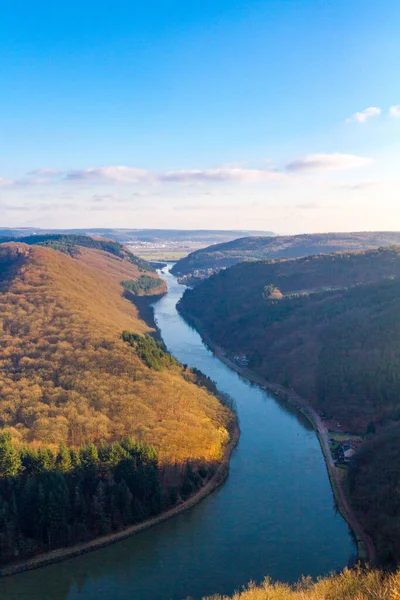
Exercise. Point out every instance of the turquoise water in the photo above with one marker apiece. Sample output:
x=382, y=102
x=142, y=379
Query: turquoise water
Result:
x=274, y=516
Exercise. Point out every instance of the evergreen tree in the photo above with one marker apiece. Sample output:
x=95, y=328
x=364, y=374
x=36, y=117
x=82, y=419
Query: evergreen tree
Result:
x=30, y=461
x=98, y=509
x=64, y=460
x=10, y=461
x=46, y=459
x=89, y=456
x=125, y=497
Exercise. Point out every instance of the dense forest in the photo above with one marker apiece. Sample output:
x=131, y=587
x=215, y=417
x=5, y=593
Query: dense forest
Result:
x=327, y=327
x=141, y=286
x=99, y=426
x=50, y=499
x=206, y=261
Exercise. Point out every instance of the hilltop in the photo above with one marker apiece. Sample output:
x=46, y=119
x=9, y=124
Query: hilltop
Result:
x=327, y=327
x=99, y=426
x=204, y=262
x=70, y=244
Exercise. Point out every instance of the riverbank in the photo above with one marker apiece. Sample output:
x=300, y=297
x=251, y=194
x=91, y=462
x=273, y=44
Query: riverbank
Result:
x=61, y=554
x=144, y=305
x=365, y=546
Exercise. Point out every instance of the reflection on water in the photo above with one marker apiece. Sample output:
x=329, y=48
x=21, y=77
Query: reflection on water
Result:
x=274, y=516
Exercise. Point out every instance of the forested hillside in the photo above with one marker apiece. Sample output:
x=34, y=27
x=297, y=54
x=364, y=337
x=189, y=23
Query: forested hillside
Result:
x=328, y=327
x=70, y=244
x=99, y=426
x=203, y=263
x=325, y=325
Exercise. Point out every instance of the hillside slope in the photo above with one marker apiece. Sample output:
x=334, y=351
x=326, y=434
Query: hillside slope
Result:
x=329, y=328
x=100, y=428
x=300, y=321
x=202, y=263
x=66, y=374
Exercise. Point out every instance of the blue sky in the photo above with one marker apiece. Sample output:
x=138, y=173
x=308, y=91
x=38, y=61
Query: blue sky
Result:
x=274, y=114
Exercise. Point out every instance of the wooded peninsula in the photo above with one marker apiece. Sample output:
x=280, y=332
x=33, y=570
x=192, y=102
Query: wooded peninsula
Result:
x=100, y=427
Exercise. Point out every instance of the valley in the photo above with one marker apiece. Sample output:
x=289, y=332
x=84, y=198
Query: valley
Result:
x=275, y=514
x=310, y=295
x=325, y=327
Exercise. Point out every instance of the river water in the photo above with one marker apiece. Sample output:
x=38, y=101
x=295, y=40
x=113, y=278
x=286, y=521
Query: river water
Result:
x=274, y=516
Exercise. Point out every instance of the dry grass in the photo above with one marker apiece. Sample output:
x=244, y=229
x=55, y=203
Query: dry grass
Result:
x=353, y=584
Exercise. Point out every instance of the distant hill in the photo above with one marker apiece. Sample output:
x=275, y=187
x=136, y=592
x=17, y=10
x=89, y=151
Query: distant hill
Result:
x=204, y=236
x=99, y=426
x=328, y=327
x=202, y=263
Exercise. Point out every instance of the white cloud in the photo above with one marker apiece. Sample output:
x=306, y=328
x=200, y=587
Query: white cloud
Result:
x=364, y=115
x=194, y=178
x=395, y=111
x=6, y=182
x=123, y=174
x=328, y=162
x=223, y=175
x=115, y=174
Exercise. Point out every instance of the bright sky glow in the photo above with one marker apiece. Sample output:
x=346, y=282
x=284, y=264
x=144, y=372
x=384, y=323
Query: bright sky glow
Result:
x=281, y=115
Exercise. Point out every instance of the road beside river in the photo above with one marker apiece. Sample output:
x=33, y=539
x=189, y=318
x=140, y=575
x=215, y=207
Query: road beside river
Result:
x=275, y=514
x=366, y=549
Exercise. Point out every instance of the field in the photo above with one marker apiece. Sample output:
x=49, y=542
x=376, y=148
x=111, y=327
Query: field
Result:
x=170, y=250
x=161, y=254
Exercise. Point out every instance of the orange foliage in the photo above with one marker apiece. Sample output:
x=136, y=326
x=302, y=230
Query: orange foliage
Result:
x=66, y=375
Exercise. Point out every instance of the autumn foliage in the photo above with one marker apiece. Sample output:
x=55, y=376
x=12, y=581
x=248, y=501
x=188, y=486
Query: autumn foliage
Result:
x=67, y=376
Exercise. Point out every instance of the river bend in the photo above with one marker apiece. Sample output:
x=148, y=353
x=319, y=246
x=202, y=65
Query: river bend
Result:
x=274, y=516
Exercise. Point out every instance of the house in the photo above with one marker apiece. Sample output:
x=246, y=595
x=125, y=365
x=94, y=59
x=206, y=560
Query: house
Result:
x=348, y=450
x=241, y=359
x=344, y=452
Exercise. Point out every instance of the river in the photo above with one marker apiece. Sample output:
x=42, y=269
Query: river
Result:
x=274, y=516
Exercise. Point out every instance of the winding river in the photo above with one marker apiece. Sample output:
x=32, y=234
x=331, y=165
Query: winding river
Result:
x=274, y=516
